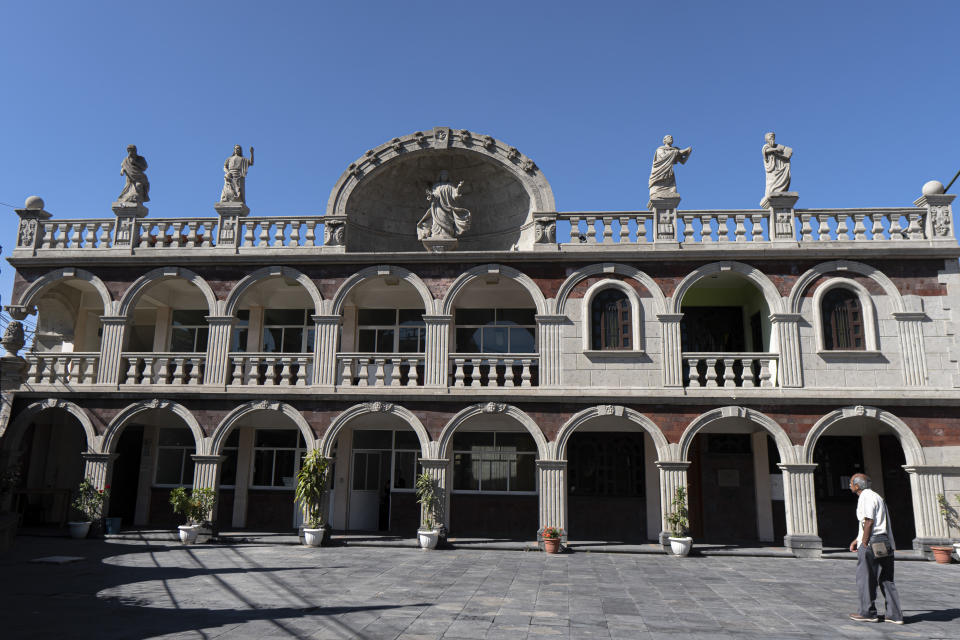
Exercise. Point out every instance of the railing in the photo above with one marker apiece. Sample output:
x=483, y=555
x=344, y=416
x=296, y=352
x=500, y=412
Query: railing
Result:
x=730, y=369
x=271, y=369
x=495, y=370
x=722, y=226
x=294, y=231
x=825, y=225
x=162, y=368
x=177, y=232
x=380, y=369
x=595, y=227
x=65, y=368
x=77, y=234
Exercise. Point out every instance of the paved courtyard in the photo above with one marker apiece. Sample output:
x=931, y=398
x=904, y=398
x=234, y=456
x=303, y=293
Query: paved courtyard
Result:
x=127, y=589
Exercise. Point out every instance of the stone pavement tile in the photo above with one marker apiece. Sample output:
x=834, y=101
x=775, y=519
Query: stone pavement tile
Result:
x=467, y=629
x=551, y=632
x=511, y=619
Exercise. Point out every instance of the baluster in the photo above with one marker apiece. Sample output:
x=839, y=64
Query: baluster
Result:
x=264, y=239
x=192, y=233
x=311, y=239
x=251, y=370
x=364, y=372
x=574, y=229
x=843, y=231
x=60, y=370
x=739, y=230
x=756, y=227
x=692, y=372
x=106, y=229
x=525, y=375
x=90, y=237
x=75, y=230
x=248, y=226
x=706, y=232
x=765, y=375
x=591, y=230
x=286, y=372
x=623, y=235
x=458, y=372
x=806, y=232
x=61, y=236
x=823, y=231
x=270, y=374
x=712, y=372
x=279, y=231
x=509, y=380
x=295, y=233
x=193, y=375
x=876, y=229
x=236, y=364
x=412, y=375
x=143, y=234
x=47, y=242
x=476, y=376
x=901, y=228
x=729, y=377
x=346, y=375
x=32, y=368
x=915, y=229
x=379, y=371
x=747, y=374
x=687, y=227
x=606, y=230
x=723, y=231
x=146, y=373
x=299, y=378
x=859, y=231
x=131, y=371
x=209, y=233
x=179, y=364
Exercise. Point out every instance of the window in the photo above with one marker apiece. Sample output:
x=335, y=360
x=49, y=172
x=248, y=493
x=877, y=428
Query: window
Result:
x=188, y=333
x=372, y=453
x=490, y=462
x=277, y=454
x=228, y=468
x=610, y=321
x=842, y=320
x=391, y=331
x=496, y=331
x=241, y=331
x=287, y=331
x=175, y=446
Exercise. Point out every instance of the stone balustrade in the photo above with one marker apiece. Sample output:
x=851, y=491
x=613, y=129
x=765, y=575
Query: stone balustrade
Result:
x=597, y=227
x=380, y=369
x=162, y=368
x=176, y=233
x=270, y=369
x=830, y=225
x=77, y=234
x=495, y=370
x=722, y=226
x=731, y=369
x=292, y=231
x=62, y=368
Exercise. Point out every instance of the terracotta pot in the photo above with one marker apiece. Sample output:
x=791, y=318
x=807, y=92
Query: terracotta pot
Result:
x=942, y=554
x=551, y=545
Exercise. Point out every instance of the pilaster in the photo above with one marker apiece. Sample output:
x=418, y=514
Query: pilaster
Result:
x=790, y=370
x=97, y=468
x=926, y=483
x=325, y=353
x=782, y=214
x=800, y=505
x=910, y=326
x=552, y=491
x=673, y=474
x=439, y=471
x=206, y=475
x=671, y=349
x=218, y=349
x=242, y=483
x=437, y=353
x=548, y=336
x=111, y=346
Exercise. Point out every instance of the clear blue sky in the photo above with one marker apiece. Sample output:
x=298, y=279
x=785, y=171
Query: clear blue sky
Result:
x=865, y=93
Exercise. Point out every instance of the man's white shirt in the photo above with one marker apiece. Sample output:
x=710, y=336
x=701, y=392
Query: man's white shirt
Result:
x=871, y=505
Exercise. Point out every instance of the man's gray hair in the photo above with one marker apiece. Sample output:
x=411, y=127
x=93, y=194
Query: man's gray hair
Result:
x=862, y=481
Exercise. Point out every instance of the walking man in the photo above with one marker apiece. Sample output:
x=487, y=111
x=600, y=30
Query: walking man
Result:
x=874, y=546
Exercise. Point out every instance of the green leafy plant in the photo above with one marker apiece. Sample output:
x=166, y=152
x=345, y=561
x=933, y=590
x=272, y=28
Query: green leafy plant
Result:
x=678, y=518
x=948, y=512
x=552, y=533
x=427, y=498
x=89, y=501
x=311, y=487
x=196, y=506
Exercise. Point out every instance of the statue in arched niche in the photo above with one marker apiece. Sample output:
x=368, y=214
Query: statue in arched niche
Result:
x=443, y=220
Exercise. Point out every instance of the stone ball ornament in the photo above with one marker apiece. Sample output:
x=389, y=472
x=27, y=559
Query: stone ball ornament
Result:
x=34, y=202
x=932, y=188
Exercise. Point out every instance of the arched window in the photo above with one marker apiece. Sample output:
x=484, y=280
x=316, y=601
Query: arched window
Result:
x=842, y=318
x=610, y=321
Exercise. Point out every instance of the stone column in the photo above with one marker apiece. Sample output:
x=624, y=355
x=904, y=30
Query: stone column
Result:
x=651, y=476
x=437, y=354
x=761, y=481
x=241, y=486
x=782, y=214
x=673, y=474
x=206, y=475
x=111, y=346
x=671, y=349
x=664, y=219
x=548, y=339
x=926, y=482
x=910, y=328
x=801, y=509
x=325, y=350
x=790, y=369
x=939, y=219
x=552, y=492
x=439, y=471
x=217, y=369
x=98, y=467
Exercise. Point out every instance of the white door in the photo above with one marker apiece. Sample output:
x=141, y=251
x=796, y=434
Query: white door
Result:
x=369, y=486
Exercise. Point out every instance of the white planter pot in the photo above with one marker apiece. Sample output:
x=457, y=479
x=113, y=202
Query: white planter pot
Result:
x=428, y=538
x=681, y=546
x=79, y=530
x=313, y=537
x=188, y=533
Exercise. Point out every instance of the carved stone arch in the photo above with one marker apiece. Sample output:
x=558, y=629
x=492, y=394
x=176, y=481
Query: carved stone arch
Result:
x=795, y=300
x=754, y=275
x=867, y=308
x=112, y=436
x=446, y=436
x=525, y=281
x=18, y=426
x=222, y=431
x=132, y=294
x=585, y=416
x=233, y=298
x=636, y=313
x=912, y=451
x=563, y=293
x=379, y=271
x=36, y=288
x=342, y=420
x=784, y=445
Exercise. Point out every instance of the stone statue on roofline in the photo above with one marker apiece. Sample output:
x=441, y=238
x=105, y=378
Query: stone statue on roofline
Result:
x=444, y=221
x=137, y=187
x=663, y=183
x=235, y=176
x=776, y=162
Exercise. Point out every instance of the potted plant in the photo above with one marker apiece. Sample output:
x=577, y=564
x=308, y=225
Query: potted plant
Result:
x=551, y=539
x=943, y=553
x=309, y=493
x=195, y=507
x=429, y=533
x=678, y=521
x=89, y=504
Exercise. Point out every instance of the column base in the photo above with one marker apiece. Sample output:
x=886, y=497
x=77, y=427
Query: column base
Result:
x=923, y=545
x=804, y=546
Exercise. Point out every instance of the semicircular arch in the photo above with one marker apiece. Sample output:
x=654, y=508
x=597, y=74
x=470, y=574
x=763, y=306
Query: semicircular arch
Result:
x=912, y=450
x=135, y=290
x=14, y=432
x=600, y=269
x=37, y=287
x=771, y=426
x=223, y=429
x=795, y=299
x=341, y=421
x=235, y=295
x=114, y=429
x=754, y=275
x=518, y=415
x=591, y=413
x=370, y=273
x=465, y=278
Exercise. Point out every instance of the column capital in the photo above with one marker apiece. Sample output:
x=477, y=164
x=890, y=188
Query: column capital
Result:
x=672, y=465
x=326, y=319
x=114, y=320
x=559, y=465
x=550, y=318
x=935, y=200
x=798, y=467
x=436, y=318
x=90, y=456
x=669, y=317
x=220, y=319
x=785, y=317
x=931, y=469
x=207, y=459
x=909, y=316
x=434, y=463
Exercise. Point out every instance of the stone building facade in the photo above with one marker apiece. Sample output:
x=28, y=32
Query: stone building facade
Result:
x=547, y=368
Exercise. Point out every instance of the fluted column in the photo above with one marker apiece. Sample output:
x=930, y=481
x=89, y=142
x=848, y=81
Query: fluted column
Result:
x=111, y=345
x=910, y=326
x=325, y=350
x=206, y=475
x=800, y=505
x=552, y=491
x=439, y=471
x=671, y=349
x=926, y=483
x=217, y=366
x=97, y=468
x=790, y=369
x=437, y=354
x=673, y=474
x=548, y=339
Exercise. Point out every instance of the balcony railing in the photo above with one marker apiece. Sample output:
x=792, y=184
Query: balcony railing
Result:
x=380, y=369
x=64, y=368
x=162, y=368
x=730, y=369
x=495, y=370
x=271, y=369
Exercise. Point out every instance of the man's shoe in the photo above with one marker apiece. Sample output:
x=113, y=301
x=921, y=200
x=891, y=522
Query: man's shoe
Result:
x=893, y=621
x=859, y=618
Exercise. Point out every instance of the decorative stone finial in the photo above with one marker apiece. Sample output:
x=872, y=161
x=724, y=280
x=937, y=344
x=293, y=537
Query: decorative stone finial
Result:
x=663, y=183
x=34, y=203
x=932, y=188
x=12, y=340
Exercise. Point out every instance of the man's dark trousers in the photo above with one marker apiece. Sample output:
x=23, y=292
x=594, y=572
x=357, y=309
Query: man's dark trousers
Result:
x=871, y=572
